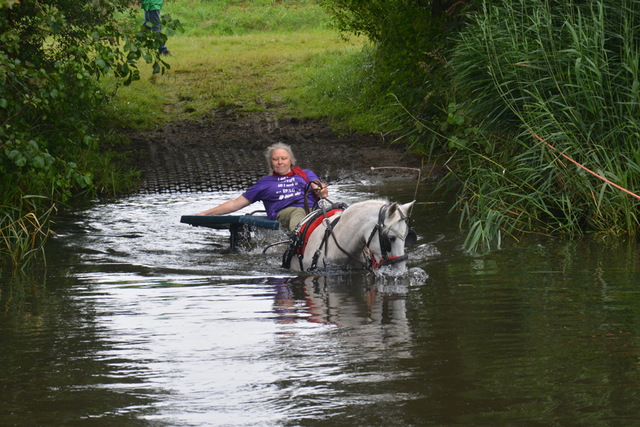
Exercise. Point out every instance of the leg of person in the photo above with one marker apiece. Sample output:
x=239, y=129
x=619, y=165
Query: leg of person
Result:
x=290, y=217
x=296, y=216
x=153, y=17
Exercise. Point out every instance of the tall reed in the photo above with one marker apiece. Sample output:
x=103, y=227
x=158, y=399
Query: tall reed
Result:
x=569, y=73
x=24, y=230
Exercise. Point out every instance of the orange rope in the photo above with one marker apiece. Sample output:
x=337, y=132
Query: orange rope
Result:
x=591, y=172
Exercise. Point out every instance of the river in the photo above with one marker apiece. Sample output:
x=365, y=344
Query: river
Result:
x=139, y=320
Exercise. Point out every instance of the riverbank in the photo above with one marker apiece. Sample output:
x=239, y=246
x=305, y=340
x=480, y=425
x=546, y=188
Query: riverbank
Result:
x=225, y=151
x=206, y=122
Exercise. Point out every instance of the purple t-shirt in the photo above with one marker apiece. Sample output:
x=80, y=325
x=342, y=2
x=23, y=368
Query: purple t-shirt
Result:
x=279, y=192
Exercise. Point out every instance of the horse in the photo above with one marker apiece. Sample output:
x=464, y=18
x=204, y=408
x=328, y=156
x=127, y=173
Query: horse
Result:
x=369, y=235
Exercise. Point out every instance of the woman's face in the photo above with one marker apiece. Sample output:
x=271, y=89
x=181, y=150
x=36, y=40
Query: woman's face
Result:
x=280, y=161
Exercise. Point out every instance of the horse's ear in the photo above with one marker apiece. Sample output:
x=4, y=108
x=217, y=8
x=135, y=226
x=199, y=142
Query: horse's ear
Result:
x=407, y=207
x=392, y=209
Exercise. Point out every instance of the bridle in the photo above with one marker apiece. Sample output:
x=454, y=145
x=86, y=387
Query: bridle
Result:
x=385, y=241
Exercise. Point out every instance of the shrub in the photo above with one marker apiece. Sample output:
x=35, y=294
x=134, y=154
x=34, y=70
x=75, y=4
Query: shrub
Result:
x=51, y=54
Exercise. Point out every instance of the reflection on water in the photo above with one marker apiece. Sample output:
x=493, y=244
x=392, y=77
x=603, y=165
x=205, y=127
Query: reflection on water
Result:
x=143, y=321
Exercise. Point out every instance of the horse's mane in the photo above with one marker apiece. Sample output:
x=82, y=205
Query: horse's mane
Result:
x=356, y=207
x=378, y=203
x=364, y=202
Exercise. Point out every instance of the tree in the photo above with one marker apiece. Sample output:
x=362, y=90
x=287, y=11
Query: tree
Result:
x=52, y=52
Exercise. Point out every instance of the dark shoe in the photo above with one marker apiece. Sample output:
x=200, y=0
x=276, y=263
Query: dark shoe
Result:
x=166, y=53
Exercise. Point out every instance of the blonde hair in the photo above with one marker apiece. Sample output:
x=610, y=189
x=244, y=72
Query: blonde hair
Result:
x=279, y=145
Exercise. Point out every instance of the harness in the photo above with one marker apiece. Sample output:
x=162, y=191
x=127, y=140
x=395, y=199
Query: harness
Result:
x=307, y=189
x=300, y=237
x=303, y=231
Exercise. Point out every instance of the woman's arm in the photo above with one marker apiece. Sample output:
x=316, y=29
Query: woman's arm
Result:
x=227, y=207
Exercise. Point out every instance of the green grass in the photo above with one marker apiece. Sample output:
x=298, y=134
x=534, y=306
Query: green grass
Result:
x=229, y=17
x=270, y=60
x=340, y=86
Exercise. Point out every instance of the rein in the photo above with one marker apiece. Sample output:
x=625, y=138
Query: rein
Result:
x=353, y=258
x=315, y=192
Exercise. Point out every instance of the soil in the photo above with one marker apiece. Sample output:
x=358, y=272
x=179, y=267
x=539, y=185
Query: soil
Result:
x=226, y=152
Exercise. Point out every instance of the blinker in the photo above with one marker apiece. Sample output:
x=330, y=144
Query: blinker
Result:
x=385, y=242
x=411, y=239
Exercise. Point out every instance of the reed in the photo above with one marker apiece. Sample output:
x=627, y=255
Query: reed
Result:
x=24, y=229
x=569, y=74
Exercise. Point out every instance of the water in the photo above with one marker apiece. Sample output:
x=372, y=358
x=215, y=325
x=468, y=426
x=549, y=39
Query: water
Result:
x=142, y=321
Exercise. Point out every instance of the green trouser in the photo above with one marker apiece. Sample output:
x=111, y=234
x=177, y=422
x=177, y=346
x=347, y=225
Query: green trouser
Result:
x=290, y=217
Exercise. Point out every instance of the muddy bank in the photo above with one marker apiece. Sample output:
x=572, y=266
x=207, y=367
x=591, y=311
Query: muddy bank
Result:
x=226, y=152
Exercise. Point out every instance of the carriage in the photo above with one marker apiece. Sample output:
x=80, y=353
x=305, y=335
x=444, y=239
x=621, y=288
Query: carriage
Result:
x=369, y=234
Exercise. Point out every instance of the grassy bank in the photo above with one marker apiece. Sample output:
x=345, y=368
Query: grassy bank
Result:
x=252, y=56
x=252, y=72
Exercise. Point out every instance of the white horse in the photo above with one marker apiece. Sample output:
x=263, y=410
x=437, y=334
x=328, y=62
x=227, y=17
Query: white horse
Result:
x=368, y=235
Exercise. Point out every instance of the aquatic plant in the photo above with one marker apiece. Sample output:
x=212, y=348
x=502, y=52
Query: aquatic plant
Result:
x=568, y=73
x=24, y=230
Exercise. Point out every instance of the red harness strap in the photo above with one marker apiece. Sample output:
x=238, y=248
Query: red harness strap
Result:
x=308, y=229
x=388, y=260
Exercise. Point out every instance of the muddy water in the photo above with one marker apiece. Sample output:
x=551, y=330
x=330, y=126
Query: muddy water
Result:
x=142, y=321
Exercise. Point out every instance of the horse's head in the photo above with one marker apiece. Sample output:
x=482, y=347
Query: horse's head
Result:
x=393, y=235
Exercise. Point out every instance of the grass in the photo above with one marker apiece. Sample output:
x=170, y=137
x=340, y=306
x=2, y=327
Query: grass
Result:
x=340, y=86
x=267, y=63
x=253, y=72
x=234, y=17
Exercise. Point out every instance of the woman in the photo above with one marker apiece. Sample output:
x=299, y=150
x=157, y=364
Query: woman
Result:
x=282, y=192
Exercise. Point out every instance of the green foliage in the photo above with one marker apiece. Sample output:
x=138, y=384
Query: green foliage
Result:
x=568, y=73
x=409, y=41
x=341, y=86
x=409, y=73
x=111, y=174
x=51, y=55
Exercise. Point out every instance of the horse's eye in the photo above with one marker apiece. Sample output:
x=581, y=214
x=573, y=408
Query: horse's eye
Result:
x=392, y=238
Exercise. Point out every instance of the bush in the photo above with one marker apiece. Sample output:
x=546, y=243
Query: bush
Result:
x=412, y=42
x=51, y=54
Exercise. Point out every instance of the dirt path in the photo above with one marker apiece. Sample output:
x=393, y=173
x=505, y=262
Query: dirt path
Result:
x=226, y=152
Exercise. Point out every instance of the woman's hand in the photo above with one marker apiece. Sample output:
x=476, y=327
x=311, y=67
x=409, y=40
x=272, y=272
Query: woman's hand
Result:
x=321, y=190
